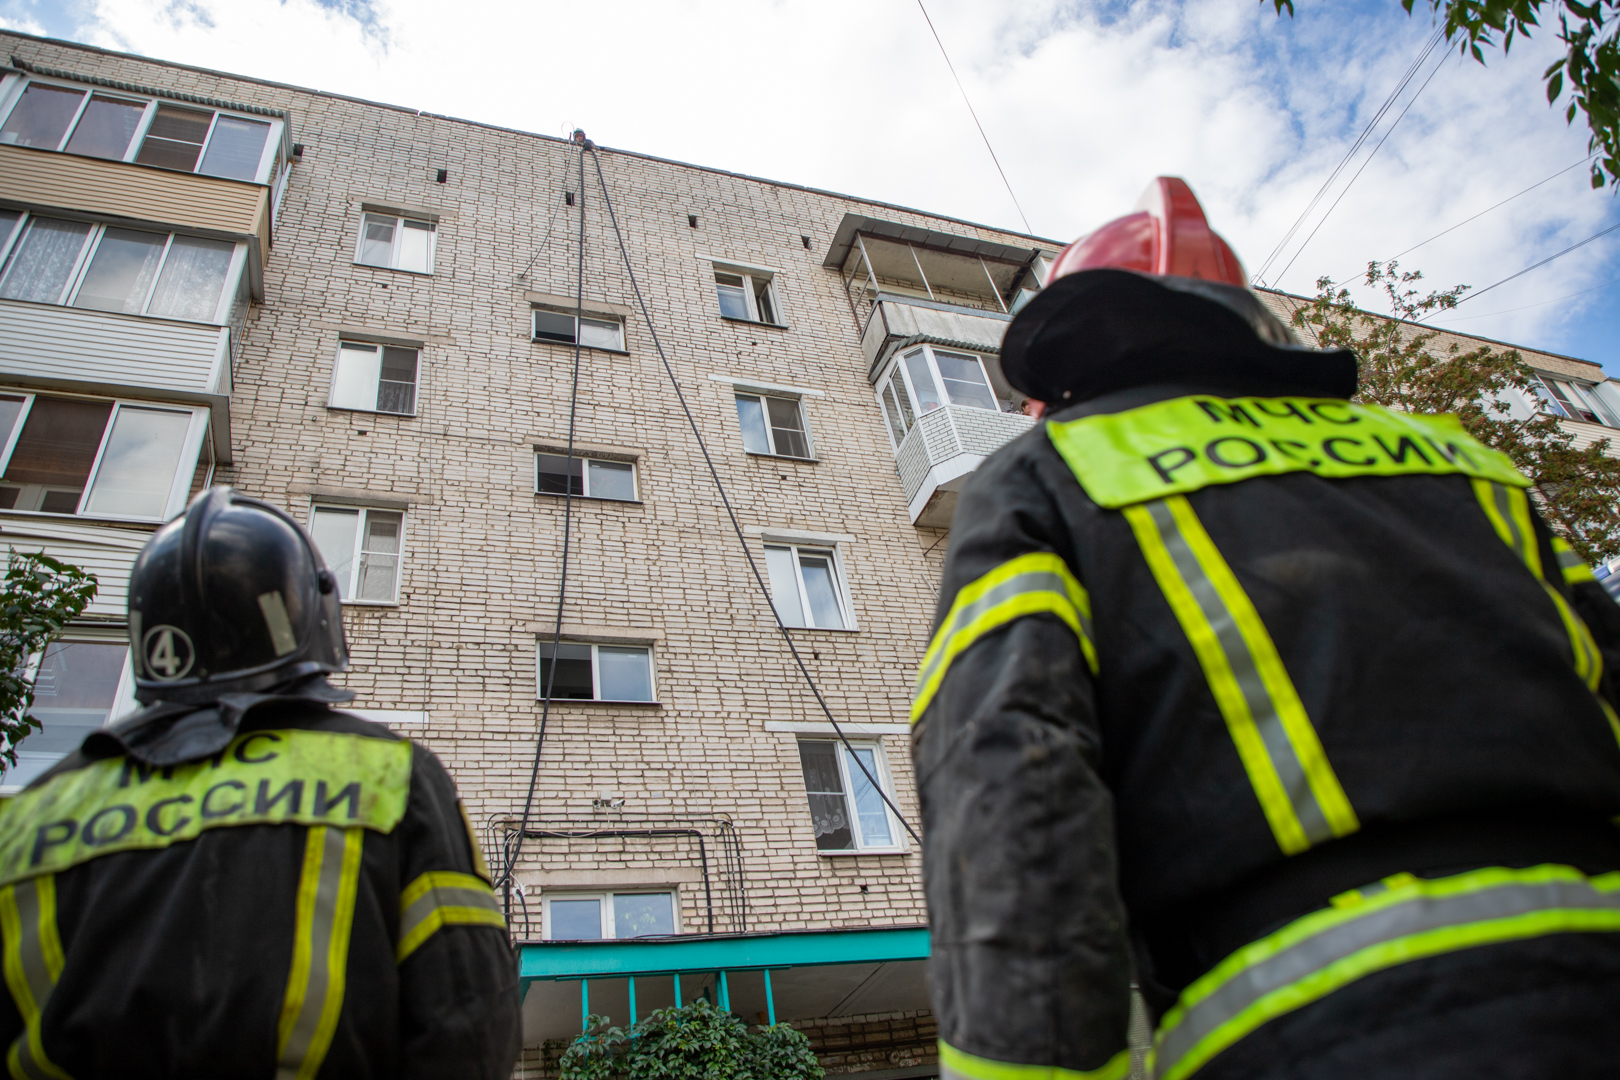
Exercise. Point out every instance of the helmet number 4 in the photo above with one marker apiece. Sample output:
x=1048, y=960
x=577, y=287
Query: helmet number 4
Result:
x=168, y=652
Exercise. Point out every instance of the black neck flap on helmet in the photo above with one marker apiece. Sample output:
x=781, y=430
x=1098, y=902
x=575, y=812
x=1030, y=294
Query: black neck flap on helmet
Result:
x=231, y=600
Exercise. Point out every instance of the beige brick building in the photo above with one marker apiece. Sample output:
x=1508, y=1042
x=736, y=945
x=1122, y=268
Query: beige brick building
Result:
x=367, y=315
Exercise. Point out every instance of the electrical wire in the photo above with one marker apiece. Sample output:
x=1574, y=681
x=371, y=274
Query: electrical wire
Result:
x=1258, y=277
x=973, y=113
x=1542, y=303
x=514, y=849
x=714, y=474
x=1481, y=214
x=1367, y=161
x=1535, y=266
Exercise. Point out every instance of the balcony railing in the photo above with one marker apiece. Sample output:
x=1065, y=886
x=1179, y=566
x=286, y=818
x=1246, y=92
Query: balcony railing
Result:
x=946, y=445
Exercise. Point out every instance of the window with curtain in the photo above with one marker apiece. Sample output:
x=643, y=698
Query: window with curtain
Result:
x=43, y=260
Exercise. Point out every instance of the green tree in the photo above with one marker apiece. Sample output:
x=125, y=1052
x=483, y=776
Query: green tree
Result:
x=693, y=1042
x=39, y=597
x=1591, y=63
x=1402, y=367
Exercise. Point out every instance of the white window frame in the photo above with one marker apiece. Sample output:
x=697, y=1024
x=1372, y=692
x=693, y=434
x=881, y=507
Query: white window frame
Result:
x=331, y=394
x=596, y=671
x=741, y=391
x=585, y=476
x=885, y=781
x=399, y=229
x=616, y=321
x=272, y=141
x=755, y=279
x=898, y=366
x=845, y=605
x=358, y=550
x=606, y=910
x=185, y=470
x=1582, y=396
x=124, y=701
x=87, y=253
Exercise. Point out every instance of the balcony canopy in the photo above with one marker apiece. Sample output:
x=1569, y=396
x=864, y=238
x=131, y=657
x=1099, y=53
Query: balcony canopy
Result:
x=941, y=264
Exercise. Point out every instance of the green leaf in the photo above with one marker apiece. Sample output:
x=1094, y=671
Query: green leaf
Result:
x=1555, y=86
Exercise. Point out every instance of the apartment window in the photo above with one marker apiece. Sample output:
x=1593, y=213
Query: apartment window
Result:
x=79, y=685
x=847, y=811
x=593, y=332
x=130, y=271
x=596, y=672
x=362, y=547
x=119, y=459
x=806, y=587
x=746, y=294
x=374, y=378
x=396, y=243
x=53, y=116
x=1577, y=401
x=926, y=378
x=773, y=425
x=594, y=916
x=592, y=478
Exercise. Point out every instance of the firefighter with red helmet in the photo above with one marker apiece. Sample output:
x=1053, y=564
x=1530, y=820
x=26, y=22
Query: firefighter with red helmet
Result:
x=1288, y=709
x=240, y=880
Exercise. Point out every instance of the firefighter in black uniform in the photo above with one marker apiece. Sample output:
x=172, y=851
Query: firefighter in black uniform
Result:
x=240, y=880
x=1289, y=709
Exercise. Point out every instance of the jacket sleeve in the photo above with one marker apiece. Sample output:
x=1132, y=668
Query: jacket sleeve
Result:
x=1596, y=609
x=1029, y=963
x=459, y=1004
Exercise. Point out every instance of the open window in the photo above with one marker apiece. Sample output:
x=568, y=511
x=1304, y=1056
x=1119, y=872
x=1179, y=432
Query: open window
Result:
x=109, y=124
x=571, y=916
x=807, y=587
x=747, y=294
x=362, y=547
x=1574, y=400
x=773, y=425
x=396, y=242
x=594, y=331
x=129, y=271
x=82, y=681
x=374, y=378
x=589, y=672
x=848, y=813
x=588, y=477
x=100, y=458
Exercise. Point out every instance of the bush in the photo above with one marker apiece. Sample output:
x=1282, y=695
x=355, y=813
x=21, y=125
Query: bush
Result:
x=693, y=1042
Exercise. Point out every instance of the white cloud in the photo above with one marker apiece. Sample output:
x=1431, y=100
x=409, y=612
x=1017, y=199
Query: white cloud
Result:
x=1083, y=103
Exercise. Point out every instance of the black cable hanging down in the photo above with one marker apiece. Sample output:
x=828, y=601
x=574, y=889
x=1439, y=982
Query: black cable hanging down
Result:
x=514, y=845
x=607, y=201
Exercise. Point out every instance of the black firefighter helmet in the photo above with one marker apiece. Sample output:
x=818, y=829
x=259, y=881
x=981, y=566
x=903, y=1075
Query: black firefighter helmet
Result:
x=232, y=598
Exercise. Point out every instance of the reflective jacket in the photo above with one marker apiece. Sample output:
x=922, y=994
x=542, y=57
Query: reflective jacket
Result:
x=1271, y=705
x=309, y=901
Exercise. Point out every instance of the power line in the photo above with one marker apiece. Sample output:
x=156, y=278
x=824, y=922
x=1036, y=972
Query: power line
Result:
x=1411, y=73
x=1543, y=303
x=975, y=116
x=1388, y=132
x=1526, y=270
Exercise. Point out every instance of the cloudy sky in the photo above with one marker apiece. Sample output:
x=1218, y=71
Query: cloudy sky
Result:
x=1084, y=103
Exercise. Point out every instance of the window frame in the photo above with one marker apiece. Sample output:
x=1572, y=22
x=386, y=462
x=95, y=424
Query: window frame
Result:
x=846, y=606
x=1580, y=399
x=606, y=911
x=191, y=448
x=885, y=779
x=353, y=343
x=399, y=220
x=585, y=475
x=756, y=279
x=743, y=391
x=273, y=139
x=223, y=306
x=617, y=321
x=365, y=509
x=123, y=702
x=897, y=366
x=545, y=641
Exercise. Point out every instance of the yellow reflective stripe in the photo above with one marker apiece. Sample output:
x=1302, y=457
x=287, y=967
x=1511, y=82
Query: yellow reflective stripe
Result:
x=977, y=1068
x=1371, y=930
x=1508, y=510
x=327, y=888
x=1299, y=794
x=443, y=898
x=1571, y=565
x=1039, y=582
x=33, y=962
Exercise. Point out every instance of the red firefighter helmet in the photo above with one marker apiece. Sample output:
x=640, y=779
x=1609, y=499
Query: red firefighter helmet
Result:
x=1165, y=235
